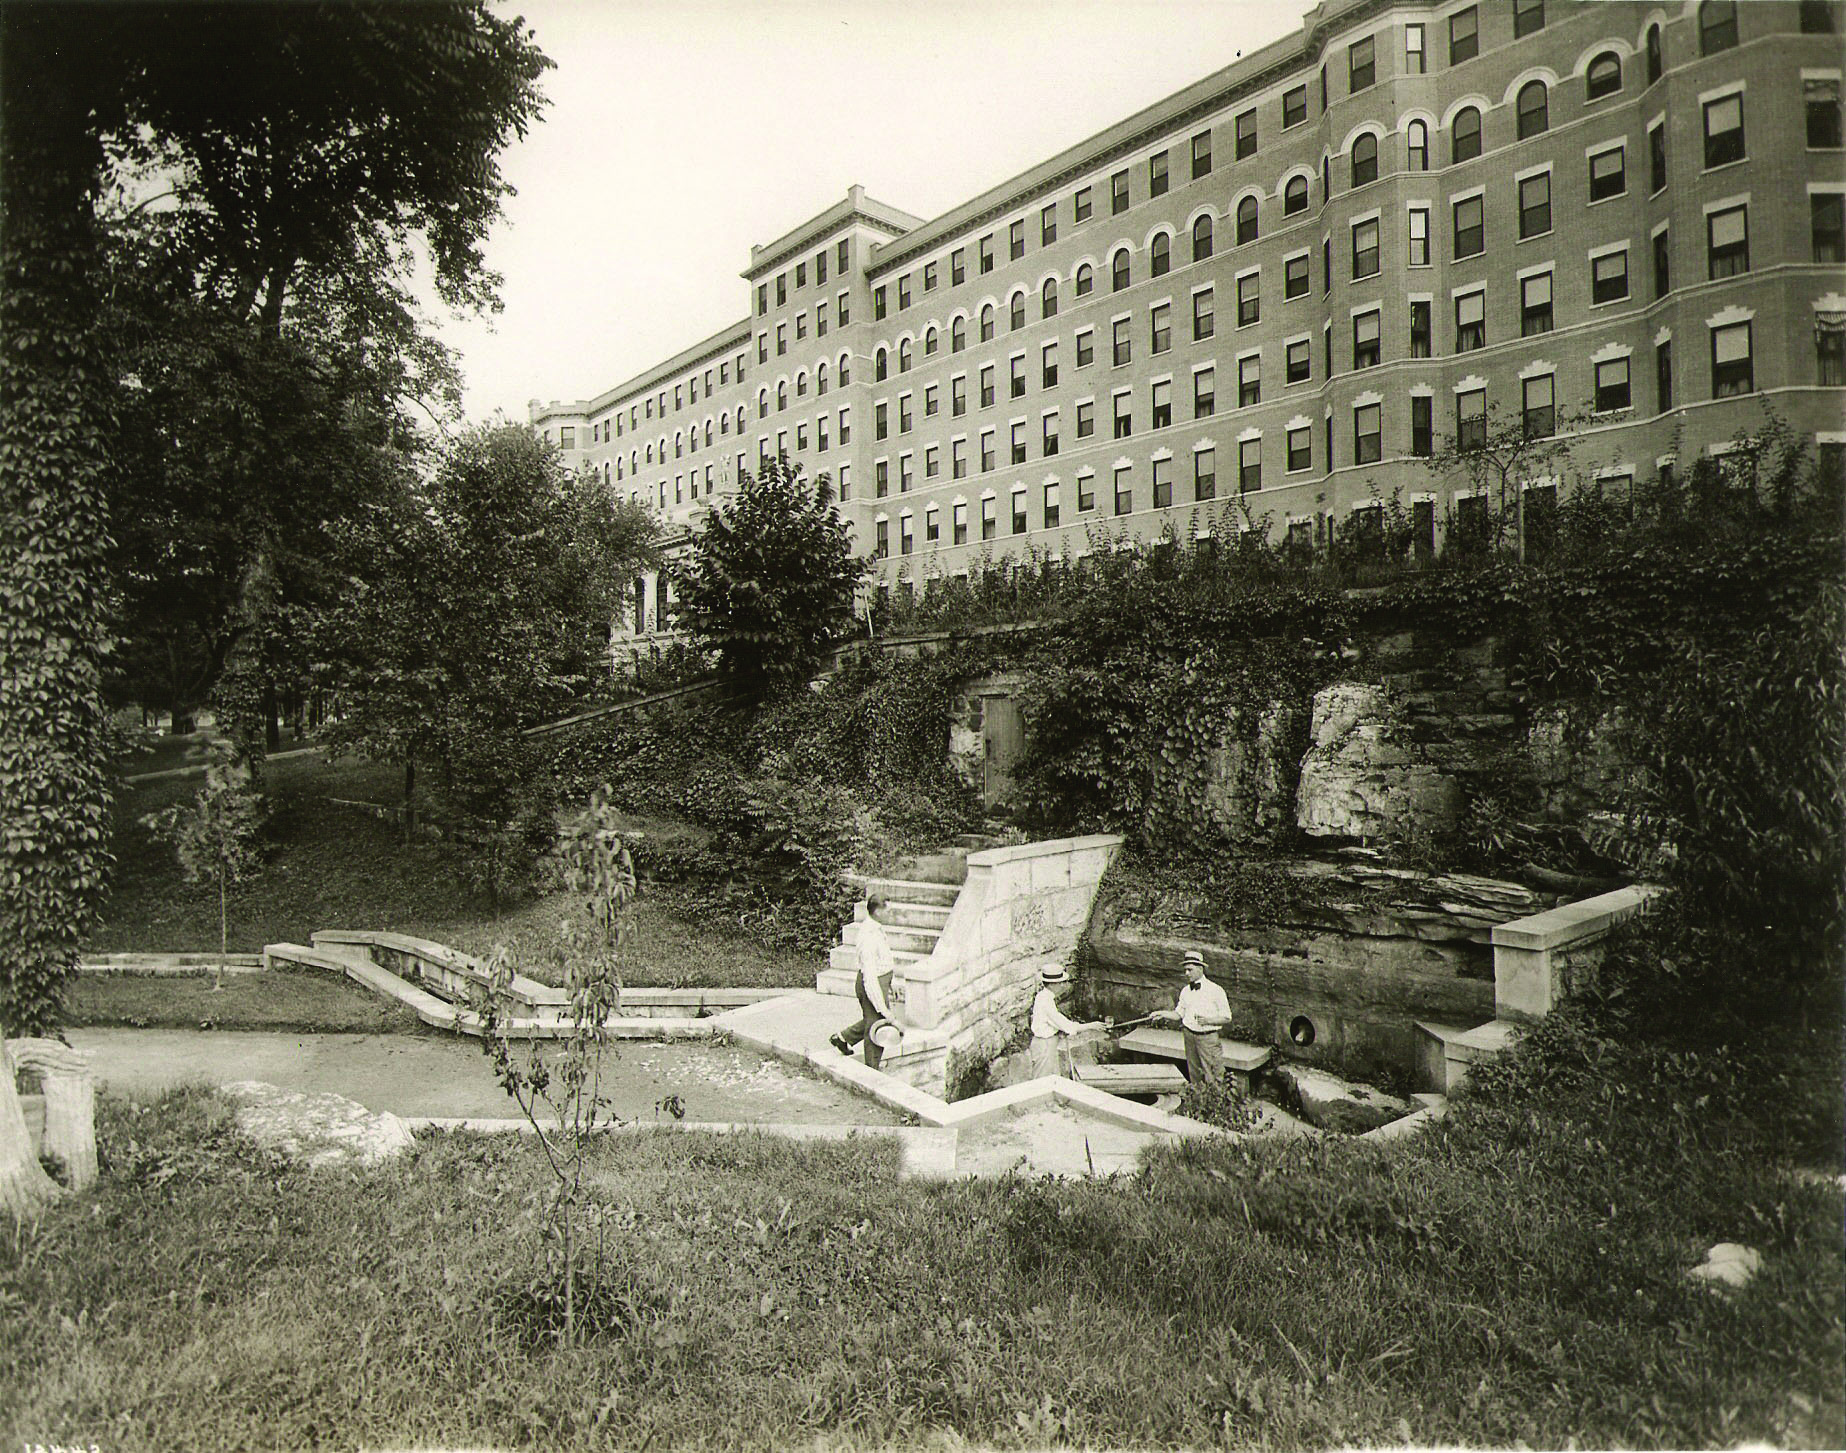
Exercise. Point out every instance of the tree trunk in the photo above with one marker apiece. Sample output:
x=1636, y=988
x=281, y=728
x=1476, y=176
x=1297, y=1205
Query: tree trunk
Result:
x=25, y=1189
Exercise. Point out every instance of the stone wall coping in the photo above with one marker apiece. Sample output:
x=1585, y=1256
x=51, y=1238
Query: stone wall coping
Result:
x=522, y=988
x=1054, y=847
x=1572, y=922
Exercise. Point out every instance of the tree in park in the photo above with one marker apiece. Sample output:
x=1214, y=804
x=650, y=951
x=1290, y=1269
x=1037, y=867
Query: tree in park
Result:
x=314, y=141
x=1498, y=454
x=772, y=578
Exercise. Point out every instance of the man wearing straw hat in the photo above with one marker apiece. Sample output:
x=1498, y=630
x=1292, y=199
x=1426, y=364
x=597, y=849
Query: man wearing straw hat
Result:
x=1051, y=1027
x=873, y=984
x=1202, y=1011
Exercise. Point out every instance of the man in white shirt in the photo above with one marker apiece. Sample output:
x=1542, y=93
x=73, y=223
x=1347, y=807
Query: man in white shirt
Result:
x=1202, y=1011
x=1051, y=1027
x=876, y=965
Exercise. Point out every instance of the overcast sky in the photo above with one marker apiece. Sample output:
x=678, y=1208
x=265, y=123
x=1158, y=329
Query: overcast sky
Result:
x=682, y=131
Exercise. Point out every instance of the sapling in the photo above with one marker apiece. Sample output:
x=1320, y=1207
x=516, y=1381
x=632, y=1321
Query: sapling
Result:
x=215, y=836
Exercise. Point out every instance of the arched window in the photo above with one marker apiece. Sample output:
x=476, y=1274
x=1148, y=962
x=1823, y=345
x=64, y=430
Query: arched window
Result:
x=801, y=384
x=845, y=369
x=1717, y=26
x=1048, y=298
x=903, y=355
x=1118, y=270
x=1534, y=109
x=679, y=443
x=1201, y=238
x=781, y=394
x=1605, y=75
x=987, y=322
x=931, y=340
x=1365, y=160
x=1416, y=145
x=958, y=335
x=1162, y=254
x=1656, y=58
x=1246, y=221
x=1086, y=278
x=762, y=412
x=1465, y=135
x=881, y=366
x=1295, y=196
x=708, y=433
x=724, y=424
x=820, y=377
x=1016, y=311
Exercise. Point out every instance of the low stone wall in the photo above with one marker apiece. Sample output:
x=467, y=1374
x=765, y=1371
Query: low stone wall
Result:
x=1019, y=908
x=1538, y=960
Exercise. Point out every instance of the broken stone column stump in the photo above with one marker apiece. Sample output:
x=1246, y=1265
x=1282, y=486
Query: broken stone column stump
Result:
x=70, y=1103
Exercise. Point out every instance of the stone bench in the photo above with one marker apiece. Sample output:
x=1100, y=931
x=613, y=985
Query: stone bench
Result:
x=1241, y=1059
x=1133, y=1079
x=70, y=1103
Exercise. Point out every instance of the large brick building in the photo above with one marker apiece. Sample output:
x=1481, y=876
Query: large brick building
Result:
x=1267, y=297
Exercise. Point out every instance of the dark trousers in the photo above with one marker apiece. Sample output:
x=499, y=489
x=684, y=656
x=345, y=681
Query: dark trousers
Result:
x=862, y=1031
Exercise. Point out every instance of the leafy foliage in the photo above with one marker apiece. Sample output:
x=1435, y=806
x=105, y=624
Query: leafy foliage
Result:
x=215, y=835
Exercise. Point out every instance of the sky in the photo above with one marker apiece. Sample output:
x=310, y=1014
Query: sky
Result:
x=681, y=132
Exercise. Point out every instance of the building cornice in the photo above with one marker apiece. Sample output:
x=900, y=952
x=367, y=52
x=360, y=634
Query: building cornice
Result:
x=826, y=227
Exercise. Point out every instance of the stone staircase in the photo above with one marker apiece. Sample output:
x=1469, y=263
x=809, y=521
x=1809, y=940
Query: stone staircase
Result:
x=919, y=899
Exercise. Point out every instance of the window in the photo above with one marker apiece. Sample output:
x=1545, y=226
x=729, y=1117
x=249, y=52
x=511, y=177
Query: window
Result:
x=1418, y=253
x=1019, y=511
x=1086, y=279
x=1535, y=305
x=1249, y=380
x=1163, y=483
x=1663, y=373
x=1604, y=77
x=1118, y=193
x=1724, y=130
x=1365, y=248
x=1201, y=155
x=781, y=340
x=958, y=334
x=987, y=386
x=1528, y=17
x=1081, y=205
x=1817, y=17
x=820, y=319
x=1470, y=227
x=878, y=304
x=1295, y=276
x=987, y=451
x=1157, y=174
x=903, y=291
x=1203, y=323
x=1249, y=465
x=1048, y=299
x=1822, y=95
x=1121, y=346
x=958, y=268
x=1048, y=365
x=1367, y=433
x=905, y=355
x=781, y=395
x=1295, y=196
x=845, y=312
x=1827, y=225
x=1016, y=240
x=1464, y=36
x=1016, y=312
x=1161, y=331
x=881, y=365
x=985, y=256
x=1119, y=271
x=1016, y=377
x=1612, y=385
x=1366, y=350
x=1656, y=157
x=1300, y=361
x=1727, y=236
x=1470, y=322
x=1051, y=506
x=1294, y=106
x=1124, y=415
x=1535, y=205
x=1415, y=61
x=1361, y=65
x=1538, y=406
x=1416, y=146
x=882, y=549
x=1249, y=300
x=1204, y=392
x=932, y=401
x=881, y=477
x=1364, y=159
x=1829, y=350
x=1246, y=221
x=1086, y=348
x=1124, y=490
x=1201, y=238
x=1609, y=277
x=1016, y=442
x=1204, y=473
x=1608, y=174
x=987, y=322
x=1422, y=425
x=1420, y=328
x=1465, y=135
x=1086, y=419
x=904, y=416
x=959, y=521
x=1717, y=26
x=958, y=458
x=1161, y=255
x=1656, y=60
x=1534, y=108
x=1048, y=435
x=1663, y=263
x=1300, y=449
x=1731, y=372
x=1048, y=223
x=1471, y=419
x=1246, y=135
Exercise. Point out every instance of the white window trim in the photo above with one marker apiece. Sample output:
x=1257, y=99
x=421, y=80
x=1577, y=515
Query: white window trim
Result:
x=1725, y=204
x=1538, y=369
x=1718, y=93
x=1608, y=249
x=1609, y=352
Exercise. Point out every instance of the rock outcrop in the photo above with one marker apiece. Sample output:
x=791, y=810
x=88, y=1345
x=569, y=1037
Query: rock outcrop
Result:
x=1364, y=775
x=320, y=1129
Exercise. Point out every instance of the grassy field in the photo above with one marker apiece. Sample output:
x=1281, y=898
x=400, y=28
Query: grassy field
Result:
x=1516, y=1276
x=332, y=866
x=301, y=1001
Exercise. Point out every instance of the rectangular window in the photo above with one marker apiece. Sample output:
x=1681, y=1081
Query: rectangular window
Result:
x=1019, y=511
x=820, y=318
x=1471, y=419
x=1535, y=205
x=1422, y=425
x=1294, y=106
x=1361, y=65
x=1365, y=249
x=1157, y=174
x=1295, y=281
x=1300, y=366
x=1124, y=490
x=1539, y=407
x=1657, y=157
x=1663, y=263
x=1048, y=365
x=1829, y=355
x=1419, y=237
x=1249, y=465
x=1086, y=348
x=1609, y=277
x=1017, y=441
x=1367, y=433
x=959, y=522
x=1051, y=506
x=1201, y=155
x=1124, y=415
x=931, y=276
x=1470, y=227
x=1535, y=305
x=881, y=420
x=1822, y=97
x=845, y=255
x=878, y=304
x=906, y=473
x=1081, y=205
x=987, y=386
x=1162, y=403
x=1827, y=225
x=1246, y=135
x=904, y=419
x=1727, y=236
x=1250, y=380
x=1163, y=483
x=986, y=253
x=1016, y=382
x=1470, y=322
x=1048, y=429
x=1121, y=346
x=903, y=291
x=1249, y=300
x=1608, y=174
x=882, y=549
x=904, y=541
x=987, y=451
x=958, y=395
x=1086, y=418
x=1663, y=373
x=1416, y=62
x=1016, y=240
x=1118, y=193
x=820, y=267
x=958, y=458
x=1203, y=321
x=1724, y=130
x=1366, y=350
x=932, y=401
x=1326, y=266
x=1612, y=385
x=845, y=312
x=1048, y=223
x=1204, y=392
x=1161, y=329
x=1731, y=370
x=958, y=267
x=1464, y=36
x=1528, y=17
x=1204, y=474
x=781, y=288
x=881, y=477
x=1300, y=449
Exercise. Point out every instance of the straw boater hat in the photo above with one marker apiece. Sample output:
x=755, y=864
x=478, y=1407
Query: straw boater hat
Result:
x=1193, y=956
x=1053, y=974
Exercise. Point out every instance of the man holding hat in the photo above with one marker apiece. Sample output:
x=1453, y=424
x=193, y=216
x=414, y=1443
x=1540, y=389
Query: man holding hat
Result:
x=1202, y=1011
x=1051, y=1028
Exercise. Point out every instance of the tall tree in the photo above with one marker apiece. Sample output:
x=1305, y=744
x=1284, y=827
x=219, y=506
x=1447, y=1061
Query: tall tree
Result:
x=309, y=140
x=772, y=577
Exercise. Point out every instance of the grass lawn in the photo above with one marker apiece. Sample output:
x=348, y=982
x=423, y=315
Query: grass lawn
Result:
x=337, y=867
x=301, y=1001
x=1518, y=1274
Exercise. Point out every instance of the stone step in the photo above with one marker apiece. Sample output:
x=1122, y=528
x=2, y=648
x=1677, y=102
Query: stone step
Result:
x=837, y=981
x=1171, y=1044
x=845, y=957
x=1133, y=1079
x=948, y=866
x=917, y=915
x=905, y=890
x=919, y=941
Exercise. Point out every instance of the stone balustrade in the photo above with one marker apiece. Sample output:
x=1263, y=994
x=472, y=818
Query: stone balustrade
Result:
x=1538, y=960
